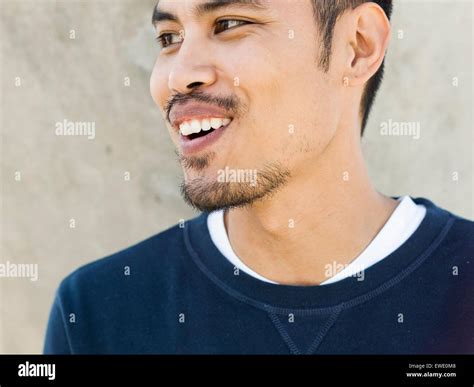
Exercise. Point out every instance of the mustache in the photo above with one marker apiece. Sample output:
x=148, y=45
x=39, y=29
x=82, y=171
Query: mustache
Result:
x=230, y=103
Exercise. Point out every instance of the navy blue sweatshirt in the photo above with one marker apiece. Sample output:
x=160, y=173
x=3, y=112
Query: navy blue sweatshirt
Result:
x=175, y=293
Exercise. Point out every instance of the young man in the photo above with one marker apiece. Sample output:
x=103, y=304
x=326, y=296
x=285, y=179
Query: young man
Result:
x=295, y=251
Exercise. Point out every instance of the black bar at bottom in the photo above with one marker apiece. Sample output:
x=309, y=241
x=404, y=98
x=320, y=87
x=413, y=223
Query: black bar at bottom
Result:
x=431, y=370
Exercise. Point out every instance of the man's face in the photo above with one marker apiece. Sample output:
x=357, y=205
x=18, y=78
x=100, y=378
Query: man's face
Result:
x=252, y=73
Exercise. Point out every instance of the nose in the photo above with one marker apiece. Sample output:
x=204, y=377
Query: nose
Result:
x=192, y=67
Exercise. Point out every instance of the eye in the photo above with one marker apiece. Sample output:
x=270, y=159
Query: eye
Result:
x=227, y=24
x=168, y=38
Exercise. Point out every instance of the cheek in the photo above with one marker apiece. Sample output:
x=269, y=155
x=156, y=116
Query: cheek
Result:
x=264, y=83
x=289, y=98
x=294, y=108
x=263, y=118
x=159, y=94
x=158, y=86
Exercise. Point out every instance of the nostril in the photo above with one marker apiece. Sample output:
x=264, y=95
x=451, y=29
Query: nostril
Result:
x=194, y=85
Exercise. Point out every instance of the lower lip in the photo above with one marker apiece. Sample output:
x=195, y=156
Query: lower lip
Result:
x=201, y=143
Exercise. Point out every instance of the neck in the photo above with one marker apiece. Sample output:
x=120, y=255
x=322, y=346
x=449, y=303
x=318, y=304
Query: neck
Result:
x=325, y=214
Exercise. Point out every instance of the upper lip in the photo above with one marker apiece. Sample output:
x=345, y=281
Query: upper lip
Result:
x=195, y=111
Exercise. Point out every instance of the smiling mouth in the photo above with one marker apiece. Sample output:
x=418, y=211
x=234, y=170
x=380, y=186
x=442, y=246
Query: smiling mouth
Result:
x=198, y=128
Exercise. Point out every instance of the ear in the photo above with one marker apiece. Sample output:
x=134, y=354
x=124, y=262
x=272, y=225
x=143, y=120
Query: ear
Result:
x=368, y=40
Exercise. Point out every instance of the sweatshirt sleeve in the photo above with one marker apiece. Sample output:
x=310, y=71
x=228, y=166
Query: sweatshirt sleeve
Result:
x=56, y=340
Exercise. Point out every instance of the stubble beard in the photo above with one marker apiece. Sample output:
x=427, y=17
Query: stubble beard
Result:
x=207, y=194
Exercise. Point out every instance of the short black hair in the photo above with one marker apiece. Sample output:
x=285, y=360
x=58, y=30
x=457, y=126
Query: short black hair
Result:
x=326, y=13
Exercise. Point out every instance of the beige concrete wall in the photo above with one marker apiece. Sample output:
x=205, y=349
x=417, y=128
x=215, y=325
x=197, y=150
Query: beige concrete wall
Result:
x=82, y=79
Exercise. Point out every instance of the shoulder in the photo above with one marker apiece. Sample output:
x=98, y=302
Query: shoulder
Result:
x=152, y=260
x=462, y=227
x=457, y=231
x=454, y=253
x=461, y=234
x=444, y=242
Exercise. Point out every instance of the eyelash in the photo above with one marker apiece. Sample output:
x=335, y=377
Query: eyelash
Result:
x=162, y=38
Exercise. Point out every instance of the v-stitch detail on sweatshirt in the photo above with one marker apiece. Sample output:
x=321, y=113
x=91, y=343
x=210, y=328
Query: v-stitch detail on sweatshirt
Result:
x=322, y=330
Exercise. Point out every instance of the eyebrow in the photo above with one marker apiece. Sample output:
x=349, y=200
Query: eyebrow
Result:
x=207, y=7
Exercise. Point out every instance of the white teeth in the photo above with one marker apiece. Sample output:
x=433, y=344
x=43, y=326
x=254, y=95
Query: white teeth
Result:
x=206, y=125
x=216, y=123
x=185, y=129
x=195, y=126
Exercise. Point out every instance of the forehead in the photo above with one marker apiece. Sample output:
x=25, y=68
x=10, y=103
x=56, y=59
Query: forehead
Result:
x=194, y=2
x=205, y=6
x=202, y=4
x=173, y=10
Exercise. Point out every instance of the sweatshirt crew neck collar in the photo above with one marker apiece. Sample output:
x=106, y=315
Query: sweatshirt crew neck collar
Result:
x=342, y=294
